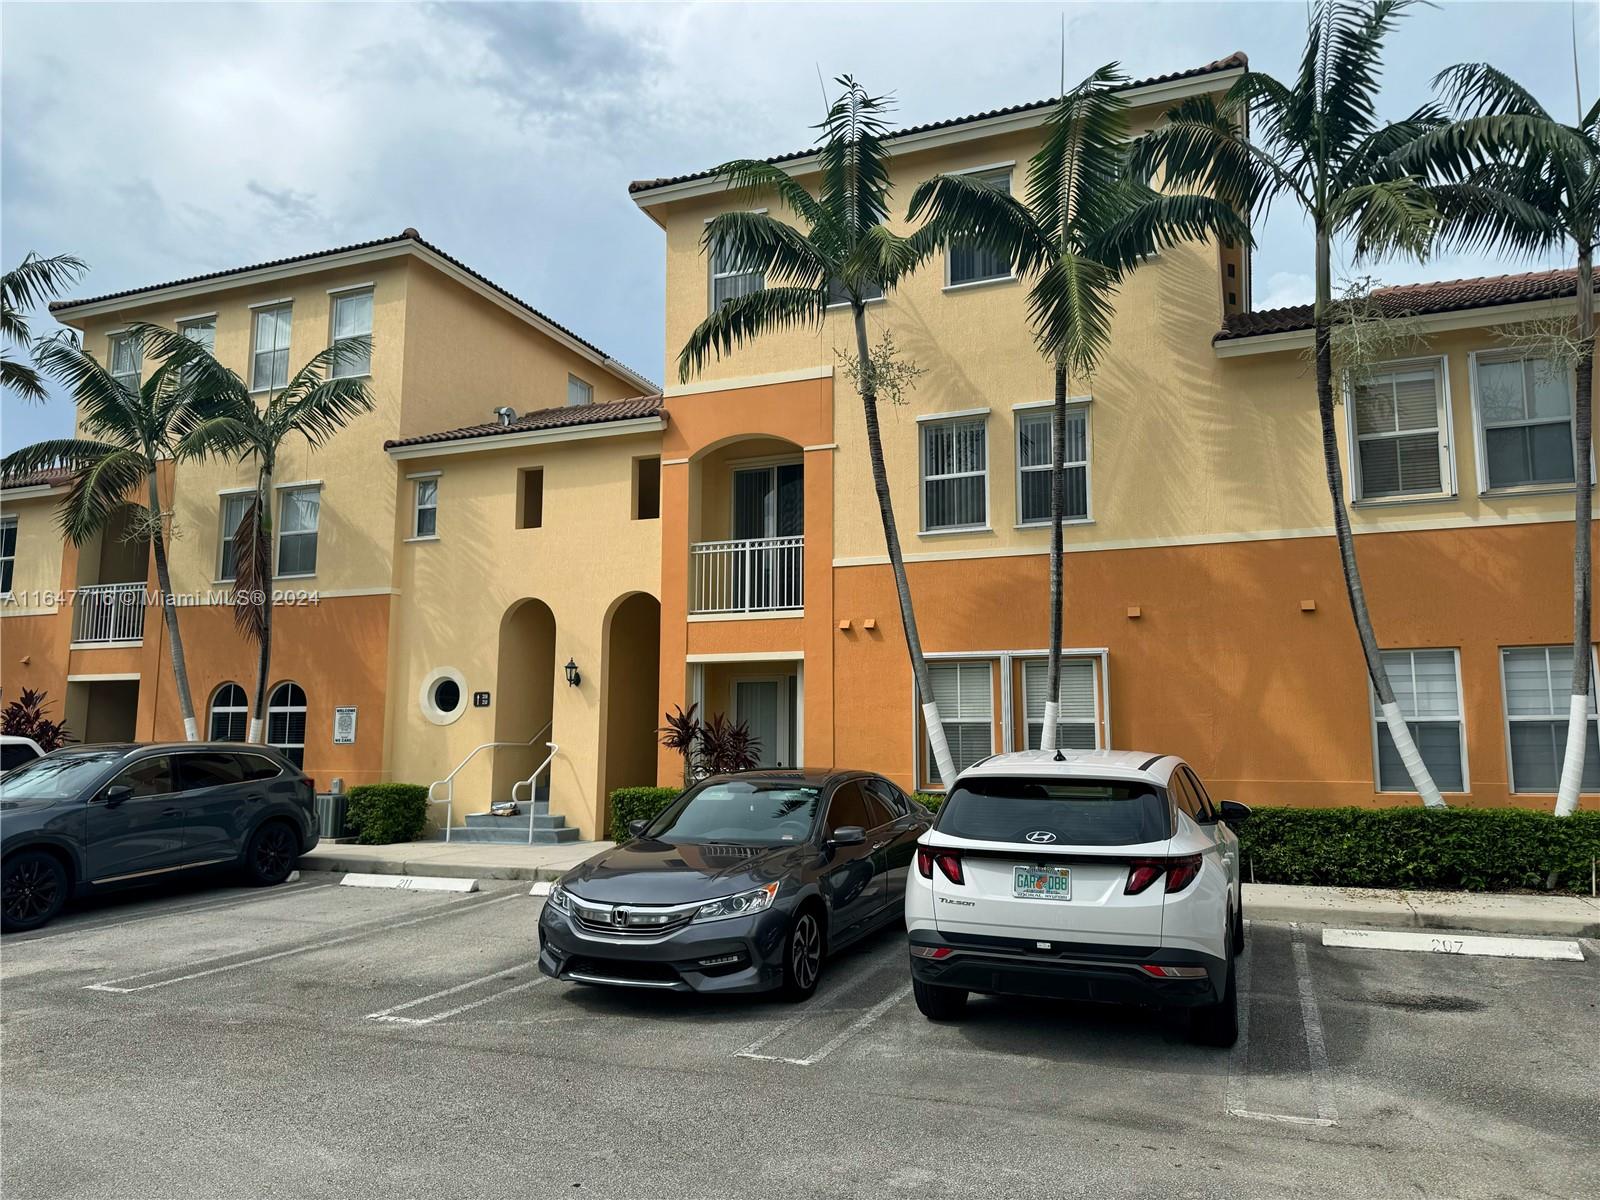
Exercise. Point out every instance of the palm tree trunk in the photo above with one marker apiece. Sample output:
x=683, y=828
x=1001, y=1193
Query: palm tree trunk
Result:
x=263, y=546
x=1058, y=470
x=169, y=612
x=891, y=535
x=1421, y=779
x=1582, y=568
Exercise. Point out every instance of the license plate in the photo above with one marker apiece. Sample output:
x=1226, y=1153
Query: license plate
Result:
x=1042, y=883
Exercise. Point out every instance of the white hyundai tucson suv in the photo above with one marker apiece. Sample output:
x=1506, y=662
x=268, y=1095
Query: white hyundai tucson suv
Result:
x=1105, y=875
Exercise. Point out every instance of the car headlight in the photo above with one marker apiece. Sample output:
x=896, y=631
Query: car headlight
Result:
x=557, y=899
x=741, y=905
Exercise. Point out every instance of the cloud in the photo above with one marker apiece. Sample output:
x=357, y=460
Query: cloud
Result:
x=285, y=204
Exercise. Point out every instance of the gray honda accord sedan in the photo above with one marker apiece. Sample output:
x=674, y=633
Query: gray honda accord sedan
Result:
x=744, y=884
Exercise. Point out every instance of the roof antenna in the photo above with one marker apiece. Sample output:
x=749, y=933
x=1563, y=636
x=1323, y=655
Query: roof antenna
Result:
x=1577, y=85
x=1063, y=90
x=1060, y=757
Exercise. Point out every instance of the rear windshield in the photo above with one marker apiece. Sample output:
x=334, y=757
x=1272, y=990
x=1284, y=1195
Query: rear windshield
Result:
x=1075, y=812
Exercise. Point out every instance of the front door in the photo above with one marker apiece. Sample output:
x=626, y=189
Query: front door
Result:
x=763, y=706
x=141, y=833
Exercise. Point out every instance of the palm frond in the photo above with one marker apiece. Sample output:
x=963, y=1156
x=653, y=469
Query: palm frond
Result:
x=209, y=386
x=252, y=557
x=748, y=317
x=18, y=377
x=32, y=282
x=965, y=208
x=1480, y=90
x=54, y=454
x=1140, y=221
x=99, y=490
x=231, y=435
x=750, y=179
x=318, y=413
x=752, y=241
x=1475, y=215
x=1387, y=217
x=105, y=406
x=1071, y=307
x=1083, y=152
x=1352, y=66
x=854, y=160
x=1200, y=147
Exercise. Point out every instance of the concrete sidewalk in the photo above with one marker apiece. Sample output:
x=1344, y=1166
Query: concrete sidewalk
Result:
x=1477, y=912
x=453, y=860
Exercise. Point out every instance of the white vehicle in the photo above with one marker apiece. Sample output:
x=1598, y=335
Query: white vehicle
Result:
x=16, y=750
x=1103, y=875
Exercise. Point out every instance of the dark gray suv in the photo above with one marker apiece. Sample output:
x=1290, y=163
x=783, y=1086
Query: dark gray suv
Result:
x=91, y=817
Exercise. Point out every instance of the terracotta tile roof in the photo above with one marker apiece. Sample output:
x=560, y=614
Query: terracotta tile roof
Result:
x=568, y=416
x=1237, y=59
x=60, y=307
x=1417, y=299
x=54, y=477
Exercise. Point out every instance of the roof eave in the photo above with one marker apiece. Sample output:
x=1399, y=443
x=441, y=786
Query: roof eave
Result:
x=526, y=437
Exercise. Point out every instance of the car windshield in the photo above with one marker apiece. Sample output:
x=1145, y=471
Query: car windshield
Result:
x=748, y=813
x=1073, y=812
x=55, y=777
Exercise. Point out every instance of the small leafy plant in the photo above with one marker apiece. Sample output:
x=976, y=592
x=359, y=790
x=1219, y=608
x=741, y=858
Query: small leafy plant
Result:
x=25, y=717
x=711, y=747
x=383, y=813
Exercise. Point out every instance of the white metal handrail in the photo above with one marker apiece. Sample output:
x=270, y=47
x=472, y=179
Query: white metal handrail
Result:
x=747, y=575
x=449, y=781
x=108, y=612
x=549, y=758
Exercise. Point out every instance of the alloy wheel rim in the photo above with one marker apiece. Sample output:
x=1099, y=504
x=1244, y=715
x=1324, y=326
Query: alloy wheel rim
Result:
x=807, y=951
x=30, y=890
x=273, y=853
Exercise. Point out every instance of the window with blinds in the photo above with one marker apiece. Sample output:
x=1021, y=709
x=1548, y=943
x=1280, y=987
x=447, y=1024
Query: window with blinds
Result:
x=1538, y=682
x=955, y=474
x=1427, y=688
x=126, y=361
x=969, y=263
x=730, y=277
x=964, y=692
x=1400, y=427
x=1525, y=408
x=1077, y=725
x=1033, y=466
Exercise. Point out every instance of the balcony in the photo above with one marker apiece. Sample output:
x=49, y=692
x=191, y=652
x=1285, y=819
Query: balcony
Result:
x=747, y=575
x=108, y=614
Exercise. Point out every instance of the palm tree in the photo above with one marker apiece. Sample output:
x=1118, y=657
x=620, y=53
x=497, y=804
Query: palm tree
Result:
x=315, y=405
x=26, y=286
x=1518, y=179
x=1318, y=143
x=125, y=432
x=846, y=249
x=1084, y=227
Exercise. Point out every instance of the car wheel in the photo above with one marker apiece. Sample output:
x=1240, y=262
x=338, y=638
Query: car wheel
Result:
x=271, y=853
x=802, y=956
x=939, y=1003
x=1218, y=1024
x=33, y=889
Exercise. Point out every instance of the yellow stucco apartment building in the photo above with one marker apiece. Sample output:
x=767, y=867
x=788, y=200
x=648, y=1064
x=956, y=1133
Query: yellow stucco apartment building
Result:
x=532, y=588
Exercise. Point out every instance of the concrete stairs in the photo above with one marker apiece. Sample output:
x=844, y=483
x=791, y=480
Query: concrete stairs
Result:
x=546, y=828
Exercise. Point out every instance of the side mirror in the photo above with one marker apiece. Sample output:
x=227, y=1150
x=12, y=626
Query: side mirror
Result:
x=848, y=835
x=118, y=794
x=637, y=828
x=1232, y=812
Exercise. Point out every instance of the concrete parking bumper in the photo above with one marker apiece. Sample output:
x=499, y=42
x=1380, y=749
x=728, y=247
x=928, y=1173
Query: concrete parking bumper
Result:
x=1374, y=908
x=453, y=860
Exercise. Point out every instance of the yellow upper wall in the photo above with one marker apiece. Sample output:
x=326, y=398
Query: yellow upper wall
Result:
x=36, y=566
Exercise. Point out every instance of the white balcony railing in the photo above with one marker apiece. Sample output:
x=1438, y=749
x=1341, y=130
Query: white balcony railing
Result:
x=747, y=575
x=108, y=612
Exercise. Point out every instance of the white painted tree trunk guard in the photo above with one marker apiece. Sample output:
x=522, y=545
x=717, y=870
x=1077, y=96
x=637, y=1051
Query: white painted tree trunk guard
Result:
x=1415, y=767
x=942, y=760
x=255, y=730
x=1572, y=765
x=191, y=730
x=1047, y=736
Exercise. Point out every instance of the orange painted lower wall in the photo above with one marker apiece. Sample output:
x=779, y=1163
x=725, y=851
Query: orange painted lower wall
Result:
x=1222, y=666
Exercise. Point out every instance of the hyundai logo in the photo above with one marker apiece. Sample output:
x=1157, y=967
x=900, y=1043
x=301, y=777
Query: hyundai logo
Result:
x=1040, y=836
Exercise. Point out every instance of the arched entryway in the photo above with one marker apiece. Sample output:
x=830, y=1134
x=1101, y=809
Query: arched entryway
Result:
x=525, y=679
x=628, y=717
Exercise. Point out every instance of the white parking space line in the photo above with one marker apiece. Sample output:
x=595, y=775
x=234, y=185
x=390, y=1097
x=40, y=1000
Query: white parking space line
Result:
x=1550, y=949
x=478, y=1003
x=844, y=1035
x=1311, y=1018
x=214, y=904
x=1239, y=1060
x=387, y=1014
x=442, y=910
x=871, y=969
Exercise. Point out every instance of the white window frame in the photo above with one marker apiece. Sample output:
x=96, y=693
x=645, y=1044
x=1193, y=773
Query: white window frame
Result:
x=258, y=312
x=1558, y=717
x=930, y=421
x=335, y=299
x=1008, y=169
x=189, y=325
x=8, y=562
x=1075, y=404
x=213, y=708
x=587, y=391
x=925, y=762
x=712, y=274
x=288, y=711
x=418, y=482
x=1376, y=721
x=225, y=498
x=114, y=340
x=1042, y=663
x=1481, y=440
x=1440, y=365
x=285, y=491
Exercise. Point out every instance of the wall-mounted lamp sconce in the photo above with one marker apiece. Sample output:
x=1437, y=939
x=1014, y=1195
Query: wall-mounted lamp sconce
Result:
x=573, y=678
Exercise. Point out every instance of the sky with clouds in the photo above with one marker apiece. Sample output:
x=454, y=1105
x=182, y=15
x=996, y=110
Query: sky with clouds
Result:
x=162, y=140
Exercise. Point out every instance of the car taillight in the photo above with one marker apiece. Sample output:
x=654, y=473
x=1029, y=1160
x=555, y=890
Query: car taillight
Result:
x=925, y=862
x=1142, y=872
x=950, y=864
x=1181, y=872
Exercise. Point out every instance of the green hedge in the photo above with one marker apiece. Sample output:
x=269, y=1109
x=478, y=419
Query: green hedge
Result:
x=1466, y=849
x=381, y=813
x=638, y=804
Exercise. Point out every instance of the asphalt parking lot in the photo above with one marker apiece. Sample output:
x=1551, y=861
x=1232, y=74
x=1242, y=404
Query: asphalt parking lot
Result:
x=312, y=1040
